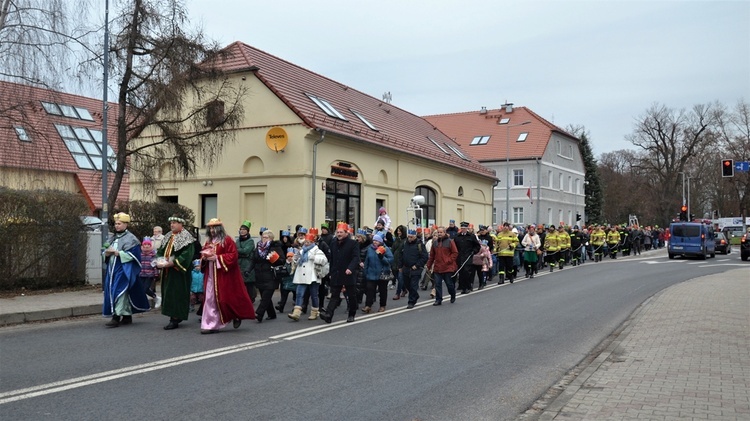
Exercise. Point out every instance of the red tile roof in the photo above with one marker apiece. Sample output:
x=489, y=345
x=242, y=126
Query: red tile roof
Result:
x=398, y=130
x=21, y=105
x=464, y=127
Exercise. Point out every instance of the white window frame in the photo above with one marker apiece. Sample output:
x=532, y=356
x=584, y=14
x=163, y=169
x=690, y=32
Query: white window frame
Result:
x=326, y=107
x=364, y=120
x=518, y=216
x=480, y=140
x=22, y=134
x=522, y=137
x=517, y=173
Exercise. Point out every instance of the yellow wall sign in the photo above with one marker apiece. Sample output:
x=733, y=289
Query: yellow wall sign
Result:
x=276, y=139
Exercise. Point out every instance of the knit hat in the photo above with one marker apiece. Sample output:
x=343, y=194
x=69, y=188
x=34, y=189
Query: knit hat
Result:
x=378, y=238
x=146, y=240
x=381, y=210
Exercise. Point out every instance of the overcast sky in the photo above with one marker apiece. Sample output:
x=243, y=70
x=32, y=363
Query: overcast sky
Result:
x=600, y=64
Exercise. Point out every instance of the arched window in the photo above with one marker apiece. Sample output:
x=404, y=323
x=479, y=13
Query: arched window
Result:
x=429, y=209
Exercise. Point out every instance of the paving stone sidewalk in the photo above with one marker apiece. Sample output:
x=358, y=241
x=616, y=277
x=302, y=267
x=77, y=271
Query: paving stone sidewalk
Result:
x=684, y=356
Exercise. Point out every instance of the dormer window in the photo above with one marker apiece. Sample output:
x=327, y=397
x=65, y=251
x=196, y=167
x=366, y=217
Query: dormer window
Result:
x=457, y=152
x=326, y=107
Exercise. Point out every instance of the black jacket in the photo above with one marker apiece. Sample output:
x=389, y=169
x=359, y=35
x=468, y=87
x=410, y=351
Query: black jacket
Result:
x=467, y=246
x=413, y=254
x=264, y=275
x=344, y=255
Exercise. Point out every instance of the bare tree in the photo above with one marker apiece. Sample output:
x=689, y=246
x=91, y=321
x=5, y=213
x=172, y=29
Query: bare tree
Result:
x=166, y=82
x=732, y=195
x=671, y=141
x=40, y=40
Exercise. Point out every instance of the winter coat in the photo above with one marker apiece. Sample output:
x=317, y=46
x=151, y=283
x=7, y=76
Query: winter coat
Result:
x=376, y=263
x=443, y=255
x=344, y=255
x=245, y=249
x=414, y=254
x=264, y=275
x=305, y=272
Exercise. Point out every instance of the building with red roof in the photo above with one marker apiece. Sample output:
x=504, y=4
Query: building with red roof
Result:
x=52, y=140
x=311, y=149
x=539, y=165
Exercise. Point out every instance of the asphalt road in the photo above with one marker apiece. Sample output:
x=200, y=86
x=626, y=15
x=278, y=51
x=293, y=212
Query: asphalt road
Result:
x=488, y=356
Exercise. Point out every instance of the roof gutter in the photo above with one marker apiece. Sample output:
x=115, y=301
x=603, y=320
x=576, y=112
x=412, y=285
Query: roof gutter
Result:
x=314, y=173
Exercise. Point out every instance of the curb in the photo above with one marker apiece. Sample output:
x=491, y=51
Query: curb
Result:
x=44, y=315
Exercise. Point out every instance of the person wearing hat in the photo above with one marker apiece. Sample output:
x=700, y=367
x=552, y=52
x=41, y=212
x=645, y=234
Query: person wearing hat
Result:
x=383, y=216
x=308, y=274
x=377, y=266
x=344, y=265
x=123, y=293
x=381, y=231
x=148, y=270
x=413, y=257
x=267, y=255
x=467, y=245
x=452, y=229
x=177, y=255
x=577, y=240
x=442, y=265
x=532, y=247
x=506, y=249
x=226, y=297
x=245, y=248
x=325, y=233
x=563, y=238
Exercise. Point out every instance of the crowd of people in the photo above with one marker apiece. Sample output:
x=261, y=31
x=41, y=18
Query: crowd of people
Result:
x=228, y=279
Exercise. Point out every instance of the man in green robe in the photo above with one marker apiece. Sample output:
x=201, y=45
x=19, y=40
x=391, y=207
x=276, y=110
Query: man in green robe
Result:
x=174, y=259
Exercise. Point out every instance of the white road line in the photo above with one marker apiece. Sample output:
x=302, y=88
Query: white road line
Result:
x=74, y=383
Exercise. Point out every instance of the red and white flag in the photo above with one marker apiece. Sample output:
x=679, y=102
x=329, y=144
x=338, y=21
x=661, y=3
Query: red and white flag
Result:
x=528, y=194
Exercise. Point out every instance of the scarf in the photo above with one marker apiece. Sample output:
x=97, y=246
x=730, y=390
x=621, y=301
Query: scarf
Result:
x=305, y=249
x=263, y=249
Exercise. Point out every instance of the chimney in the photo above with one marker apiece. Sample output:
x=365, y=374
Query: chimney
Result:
x=508, y=107
x=483, y=110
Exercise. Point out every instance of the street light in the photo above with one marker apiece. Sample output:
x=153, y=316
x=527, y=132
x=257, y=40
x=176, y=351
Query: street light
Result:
x=507, y=168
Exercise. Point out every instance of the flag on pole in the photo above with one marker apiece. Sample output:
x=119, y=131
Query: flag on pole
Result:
x=528, y=194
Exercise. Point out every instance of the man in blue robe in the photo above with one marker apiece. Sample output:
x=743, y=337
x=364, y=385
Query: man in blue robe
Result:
x=123, y=294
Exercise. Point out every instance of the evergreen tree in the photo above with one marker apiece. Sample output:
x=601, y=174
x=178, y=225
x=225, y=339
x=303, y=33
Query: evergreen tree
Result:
x=594, y=191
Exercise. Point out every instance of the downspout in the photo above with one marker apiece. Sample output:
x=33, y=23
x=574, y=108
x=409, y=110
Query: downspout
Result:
x=314, y=173
x=538, y=188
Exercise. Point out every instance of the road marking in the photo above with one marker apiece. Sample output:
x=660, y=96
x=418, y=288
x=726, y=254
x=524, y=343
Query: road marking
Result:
x=74, y=383
x=723, y=265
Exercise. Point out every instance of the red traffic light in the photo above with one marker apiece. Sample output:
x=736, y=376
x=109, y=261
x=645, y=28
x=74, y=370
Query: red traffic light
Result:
x=683, y=208
x=727, y=168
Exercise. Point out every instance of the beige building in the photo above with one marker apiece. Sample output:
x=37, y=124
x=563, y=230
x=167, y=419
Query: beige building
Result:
x=311, y=149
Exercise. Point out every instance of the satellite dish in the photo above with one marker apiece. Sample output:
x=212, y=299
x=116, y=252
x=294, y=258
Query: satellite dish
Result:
x=276, y=139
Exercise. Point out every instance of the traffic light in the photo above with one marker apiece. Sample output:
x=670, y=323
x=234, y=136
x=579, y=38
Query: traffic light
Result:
x=578, y=216
x=683, y=213
x=727, y=168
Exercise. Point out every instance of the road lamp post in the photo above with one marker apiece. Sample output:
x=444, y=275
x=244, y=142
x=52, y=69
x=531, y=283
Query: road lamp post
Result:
x=507, y=168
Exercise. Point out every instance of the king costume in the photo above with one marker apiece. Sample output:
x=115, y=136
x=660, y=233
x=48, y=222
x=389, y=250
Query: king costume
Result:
x=226, y=296
x=176, y=280
x=123, y=294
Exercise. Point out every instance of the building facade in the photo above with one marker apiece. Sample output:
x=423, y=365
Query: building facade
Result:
x=539, y=165
x=311, y=150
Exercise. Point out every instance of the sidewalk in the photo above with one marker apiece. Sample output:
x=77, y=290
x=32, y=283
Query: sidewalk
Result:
x=683, y=355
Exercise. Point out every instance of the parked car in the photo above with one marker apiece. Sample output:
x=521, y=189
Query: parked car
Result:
x=745, y=246
x=722, y=243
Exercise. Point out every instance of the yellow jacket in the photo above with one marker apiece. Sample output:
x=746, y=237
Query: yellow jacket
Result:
x=563, y=239
x=613, y=237
x=552, y=242
x=506, y=243
x=597, y=237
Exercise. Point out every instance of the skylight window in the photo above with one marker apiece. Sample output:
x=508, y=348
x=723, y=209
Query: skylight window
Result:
x=522, y=137
x=51, y=108
x=457, y=152
x=78, y=113
x=21, y=133
x=480, y=140
x=84, y=114
x=364, y=120
x=438, y=145
x=504, y=121
x=326, y=107
x=83, y=145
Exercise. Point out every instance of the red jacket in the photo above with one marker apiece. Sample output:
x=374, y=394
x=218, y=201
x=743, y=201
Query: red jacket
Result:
x=443, y=255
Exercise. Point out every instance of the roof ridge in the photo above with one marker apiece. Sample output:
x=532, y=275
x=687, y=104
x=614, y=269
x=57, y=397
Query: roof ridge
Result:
x=549, y=124
x=40, y=92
